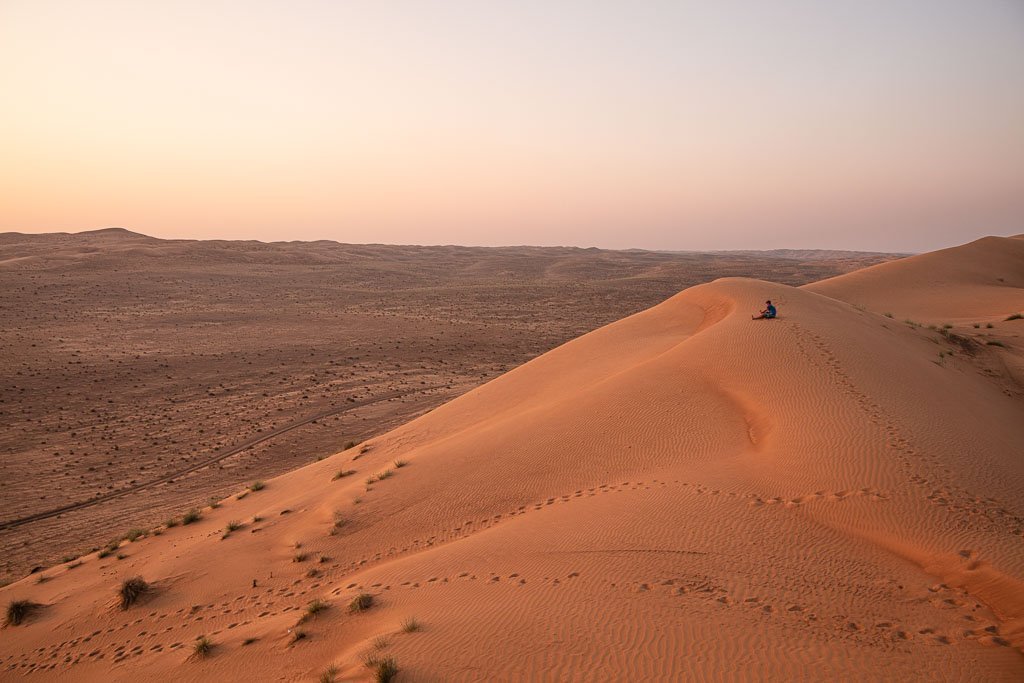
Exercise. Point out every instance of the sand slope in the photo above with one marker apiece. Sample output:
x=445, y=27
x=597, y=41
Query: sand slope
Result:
x=683, y=494
x=980, y=281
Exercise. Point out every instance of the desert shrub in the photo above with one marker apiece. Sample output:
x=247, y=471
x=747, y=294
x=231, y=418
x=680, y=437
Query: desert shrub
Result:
x=203, y=647
x=1015, y=316
x=213, y=503
x=384, y=475
x=191, y=517
x=297, y=636
x=399, y=464
x=360, y=603
x=131, y=590
x=248, y=641
x=257, y=486
x=300, y=557
x=341, y=474
x=233, y=525
x=385, y=671
x=411, y=625
x=135, y=534
x=171, y=523
x=329, y=674
x=314, y=608
x=18, y=611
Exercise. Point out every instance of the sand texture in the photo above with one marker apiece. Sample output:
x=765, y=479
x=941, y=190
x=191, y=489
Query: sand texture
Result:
x=684, y=494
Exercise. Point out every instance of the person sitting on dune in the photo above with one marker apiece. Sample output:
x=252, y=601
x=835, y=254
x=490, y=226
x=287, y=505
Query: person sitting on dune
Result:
x=766, y=314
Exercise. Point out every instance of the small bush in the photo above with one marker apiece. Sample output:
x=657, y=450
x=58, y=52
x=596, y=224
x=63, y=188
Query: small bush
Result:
x=171, y=523
x=385, y=671
x=1015, y=316
x=213, y=503
x=191, y=517
x=300, y=557
x=135, y=534
x=360, y=603
x=131, y=590
x=384, y=475
x=411, y=625
x=370, y=480
x=257, y=486
x=329, y=674
x=314, y=608
x=399, y=464
x=341, y=474
x=233, y=525
x=75, y=565
x=202, y=648
x=297, y=636
x=18, y=611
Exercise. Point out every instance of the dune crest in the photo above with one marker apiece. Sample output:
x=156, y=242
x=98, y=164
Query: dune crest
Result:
x=684, y=493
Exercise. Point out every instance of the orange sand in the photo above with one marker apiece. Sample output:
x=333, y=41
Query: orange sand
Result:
x=683, y=494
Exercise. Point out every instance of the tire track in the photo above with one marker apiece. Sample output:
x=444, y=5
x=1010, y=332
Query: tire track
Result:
x=217, y=457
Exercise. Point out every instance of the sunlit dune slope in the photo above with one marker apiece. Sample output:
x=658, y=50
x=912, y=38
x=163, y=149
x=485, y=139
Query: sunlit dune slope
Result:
x=683, y=494
x=980, y=281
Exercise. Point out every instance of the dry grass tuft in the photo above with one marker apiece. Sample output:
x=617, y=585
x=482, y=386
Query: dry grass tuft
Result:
x=18, y=611
x=131, y=590
x=202, y=648
x=361, y=603
x=411, y=625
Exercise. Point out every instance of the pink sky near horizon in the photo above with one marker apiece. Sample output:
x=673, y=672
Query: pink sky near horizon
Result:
x=872, y=125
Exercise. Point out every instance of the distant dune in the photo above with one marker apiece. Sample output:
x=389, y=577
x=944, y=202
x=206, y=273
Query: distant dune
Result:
x=684, y=494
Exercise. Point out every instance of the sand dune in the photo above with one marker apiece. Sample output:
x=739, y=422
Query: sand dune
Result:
x=683, y=494
x=980, y=281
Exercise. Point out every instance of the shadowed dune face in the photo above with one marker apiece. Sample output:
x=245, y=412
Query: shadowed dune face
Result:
x=142, y=377
x=684, y=493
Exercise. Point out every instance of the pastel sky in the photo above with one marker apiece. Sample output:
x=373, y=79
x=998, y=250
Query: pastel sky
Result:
x=865, y=124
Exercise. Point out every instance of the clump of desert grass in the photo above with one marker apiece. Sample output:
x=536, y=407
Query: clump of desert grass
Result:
x=131, y=590
x=360, y=603
x=257, y=486
x=202, y=647
x=297, y=635
x=300, y=557
x=384, y=668
x=313, y=609
x=191, y=517
x=329, y=674
x=381, y=476
x=399, y=464
x=341, y=474
x=411, y=625
x=18, y=612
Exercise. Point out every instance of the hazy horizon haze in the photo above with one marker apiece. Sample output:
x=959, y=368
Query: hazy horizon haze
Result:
x=883, y=126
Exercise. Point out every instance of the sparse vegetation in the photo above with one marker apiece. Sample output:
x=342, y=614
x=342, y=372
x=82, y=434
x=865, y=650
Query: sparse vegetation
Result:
x=411, y=625
x=300, y=557
x=233, y=525
x=213, y=503
x=380, y=642
x=257, y=486
x=1015, y=316
x=370, y=480
x=385, y=670
x=171, y=523
x=248, y=641
x=887, y=315
x=384, y=475
x=360, y=603
x=989, y=326
x=399, y=464
x=202, y=648
x=341, y=474
x=135, y=534
x=131, y=590
x=191, y=517
x=256, y=519
x=349, y=444
x=976, y=325
x=18, y=611
x=312, y=573
x=297, y=635
x=314, y=608
x=75, y=565
x=329, y=674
